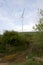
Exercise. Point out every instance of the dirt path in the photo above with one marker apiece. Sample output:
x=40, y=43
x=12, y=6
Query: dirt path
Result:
x=3, y=64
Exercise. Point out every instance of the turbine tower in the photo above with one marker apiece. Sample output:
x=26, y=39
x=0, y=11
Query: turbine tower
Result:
x=22, y=18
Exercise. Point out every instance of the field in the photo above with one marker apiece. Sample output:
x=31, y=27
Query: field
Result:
x=21, y=48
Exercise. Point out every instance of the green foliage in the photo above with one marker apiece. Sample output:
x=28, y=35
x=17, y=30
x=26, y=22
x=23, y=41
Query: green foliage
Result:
x=38, y=37
x=39, y=26
x=28, y=62
x=12, y=41
x=31, y=62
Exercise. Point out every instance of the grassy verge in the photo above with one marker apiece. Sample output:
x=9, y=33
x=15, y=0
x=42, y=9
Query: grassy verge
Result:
x=28, y=62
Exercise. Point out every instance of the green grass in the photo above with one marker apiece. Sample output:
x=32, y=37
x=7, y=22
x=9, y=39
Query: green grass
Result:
x=28, y=62
x=33, y=63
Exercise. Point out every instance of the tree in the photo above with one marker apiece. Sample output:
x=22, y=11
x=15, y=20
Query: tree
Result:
x=39, y=26
x=38, y=38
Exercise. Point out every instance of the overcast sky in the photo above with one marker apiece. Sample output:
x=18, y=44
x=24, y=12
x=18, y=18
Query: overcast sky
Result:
x=11, y=12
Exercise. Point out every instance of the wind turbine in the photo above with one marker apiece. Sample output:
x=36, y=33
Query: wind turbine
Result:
x=22, y=18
